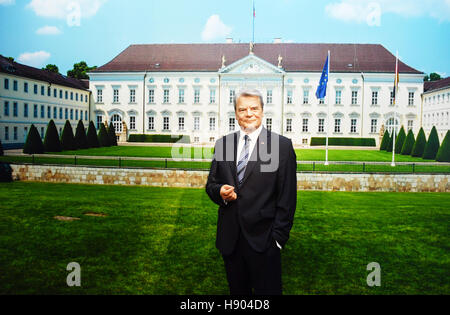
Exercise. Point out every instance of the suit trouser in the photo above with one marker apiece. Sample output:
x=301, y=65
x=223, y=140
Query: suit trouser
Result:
x=247, y=269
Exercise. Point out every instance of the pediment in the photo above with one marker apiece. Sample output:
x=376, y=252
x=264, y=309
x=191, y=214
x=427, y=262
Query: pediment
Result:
x=251, y=64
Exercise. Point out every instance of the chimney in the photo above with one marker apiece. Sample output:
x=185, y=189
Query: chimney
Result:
x=229, y=40
x=277, y=40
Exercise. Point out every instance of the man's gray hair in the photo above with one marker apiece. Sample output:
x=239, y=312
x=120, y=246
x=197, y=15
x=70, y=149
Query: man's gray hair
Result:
x=248, y=92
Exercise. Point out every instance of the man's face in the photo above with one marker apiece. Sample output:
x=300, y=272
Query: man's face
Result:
x=249, y=113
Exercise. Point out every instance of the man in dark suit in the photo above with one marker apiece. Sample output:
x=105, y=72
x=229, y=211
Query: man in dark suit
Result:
x=253, y=180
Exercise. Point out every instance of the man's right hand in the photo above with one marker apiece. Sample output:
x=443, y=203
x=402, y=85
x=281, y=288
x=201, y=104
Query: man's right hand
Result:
x=227, y=193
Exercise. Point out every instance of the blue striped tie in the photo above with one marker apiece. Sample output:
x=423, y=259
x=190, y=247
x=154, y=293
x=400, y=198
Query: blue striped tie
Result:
x=242, y=164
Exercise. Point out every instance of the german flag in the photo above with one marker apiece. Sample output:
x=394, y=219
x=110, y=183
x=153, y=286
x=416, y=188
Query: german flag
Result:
x=397, y=78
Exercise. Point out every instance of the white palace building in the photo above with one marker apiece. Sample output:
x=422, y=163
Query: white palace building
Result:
x=187, y=89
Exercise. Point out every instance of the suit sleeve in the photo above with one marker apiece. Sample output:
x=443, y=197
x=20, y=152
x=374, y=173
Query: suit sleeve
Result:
x=286, y=195
x=213, y=185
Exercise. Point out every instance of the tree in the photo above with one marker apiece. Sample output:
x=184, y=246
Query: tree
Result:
x=80, y=70
x=400, y=140
x=391, y=142
x=51, y=140
x=92, y=136
x=443, y=154
x=432, y=146
x=103, y=137
x=409, y=143
x=112, y=134
x=67, y=138
x=384, y=141
x=1, y=148
x=34, y=143
x=432, y=77
x=51, y=68
x=419, y=145
x=81, y=141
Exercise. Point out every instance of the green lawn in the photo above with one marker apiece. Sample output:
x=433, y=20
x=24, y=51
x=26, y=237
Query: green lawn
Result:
x=205, y=153
x=162, y=241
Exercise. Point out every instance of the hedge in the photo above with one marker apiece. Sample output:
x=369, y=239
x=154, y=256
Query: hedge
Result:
x=92, y=136
x=400, y=140
x=364, y=142
x=432, y=146
x=34, y=144
x=385, y=140
x=51, y=139
x=103, y=137
x=419, y=145
x=112, y=135
x=1, y=148
x=159, y=138
x=81, y=141
x=67, y=138
x=443, y=154
x=408, y=144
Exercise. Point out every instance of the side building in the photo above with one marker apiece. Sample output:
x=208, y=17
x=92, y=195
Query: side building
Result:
x=436, y=107
x=188, y=89
x=33, y=96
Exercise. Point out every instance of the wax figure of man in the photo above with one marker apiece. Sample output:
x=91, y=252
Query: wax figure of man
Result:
x=253, y=180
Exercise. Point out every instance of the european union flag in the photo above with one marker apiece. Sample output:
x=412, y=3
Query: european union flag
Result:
x=322, y=88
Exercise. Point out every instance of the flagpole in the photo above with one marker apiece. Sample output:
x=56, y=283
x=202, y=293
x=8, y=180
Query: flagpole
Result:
x=395, y=105
x=328, y=111
x=253, y=38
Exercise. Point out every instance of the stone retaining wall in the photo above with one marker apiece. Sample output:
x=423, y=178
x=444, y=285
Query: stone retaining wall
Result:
x=197, y=179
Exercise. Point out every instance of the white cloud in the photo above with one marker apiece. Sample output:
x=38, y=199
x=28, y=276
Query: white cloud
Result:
x=361, y=11
x=7, y=2
x=61, y=9
x=48, y=30
x=215, y=29
x=34, y=59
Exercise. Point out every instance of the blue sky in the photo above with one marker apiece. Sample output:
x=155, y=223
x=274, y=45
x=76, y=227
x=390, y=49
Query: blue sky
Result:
x=62, y=32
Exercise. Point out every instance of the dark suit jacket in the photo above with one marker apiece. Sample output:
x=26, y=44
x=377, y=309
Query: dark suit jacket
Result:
x=266, y=201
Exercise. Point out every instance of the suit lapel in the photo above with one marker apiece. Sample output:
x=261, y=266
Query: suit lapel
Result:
x=232, y=164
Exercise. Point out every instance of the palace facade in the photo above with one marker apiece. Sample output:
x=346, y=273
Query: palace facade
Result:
x=188, y=89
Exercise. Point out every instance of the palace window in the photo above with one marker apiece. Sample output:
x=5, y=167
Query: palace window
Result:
x=373, y=126
x=180, y=123
x=212, y=96
x=25, y=110
x=289, y=97
x=166, y=123
x=99, y=120
x=6, y=108
x=132, y=96
x=151, y=123
x=269, y=124
x=15, y=109
x=353, y=126
x=410, y=124
x=411, y=98
x=232, y=94
x=196, y=96
x=374, y=97
x=115, y=96
x=151, y=96
x=232, y=123
x=212, y=123
x=269, y=97
x=354, y=97
x=99, y=96
x=305, y=96
x=166, y=98
x=305, y=125
x=288, y=124
x=196, y=123
x=132, y=122
x=321, y=124
x=117, y=123
x=338, y=97
x=337, y=125
x=181, y=96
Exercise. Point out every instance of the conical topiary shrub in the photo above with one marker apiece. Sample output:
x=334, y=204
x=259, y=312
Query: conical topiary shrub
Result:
x=400, y=140
x=103, y=137
x=432, y=146
x=34, y=144
x=419, y=145
x=67, y=138
x=1, y=148
x=443, y=154
x=92, y=136
x=112, y=135
x=391, y=142
x=81, y=141
x=408, y=144
x=51, y=139
x=384, y=141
